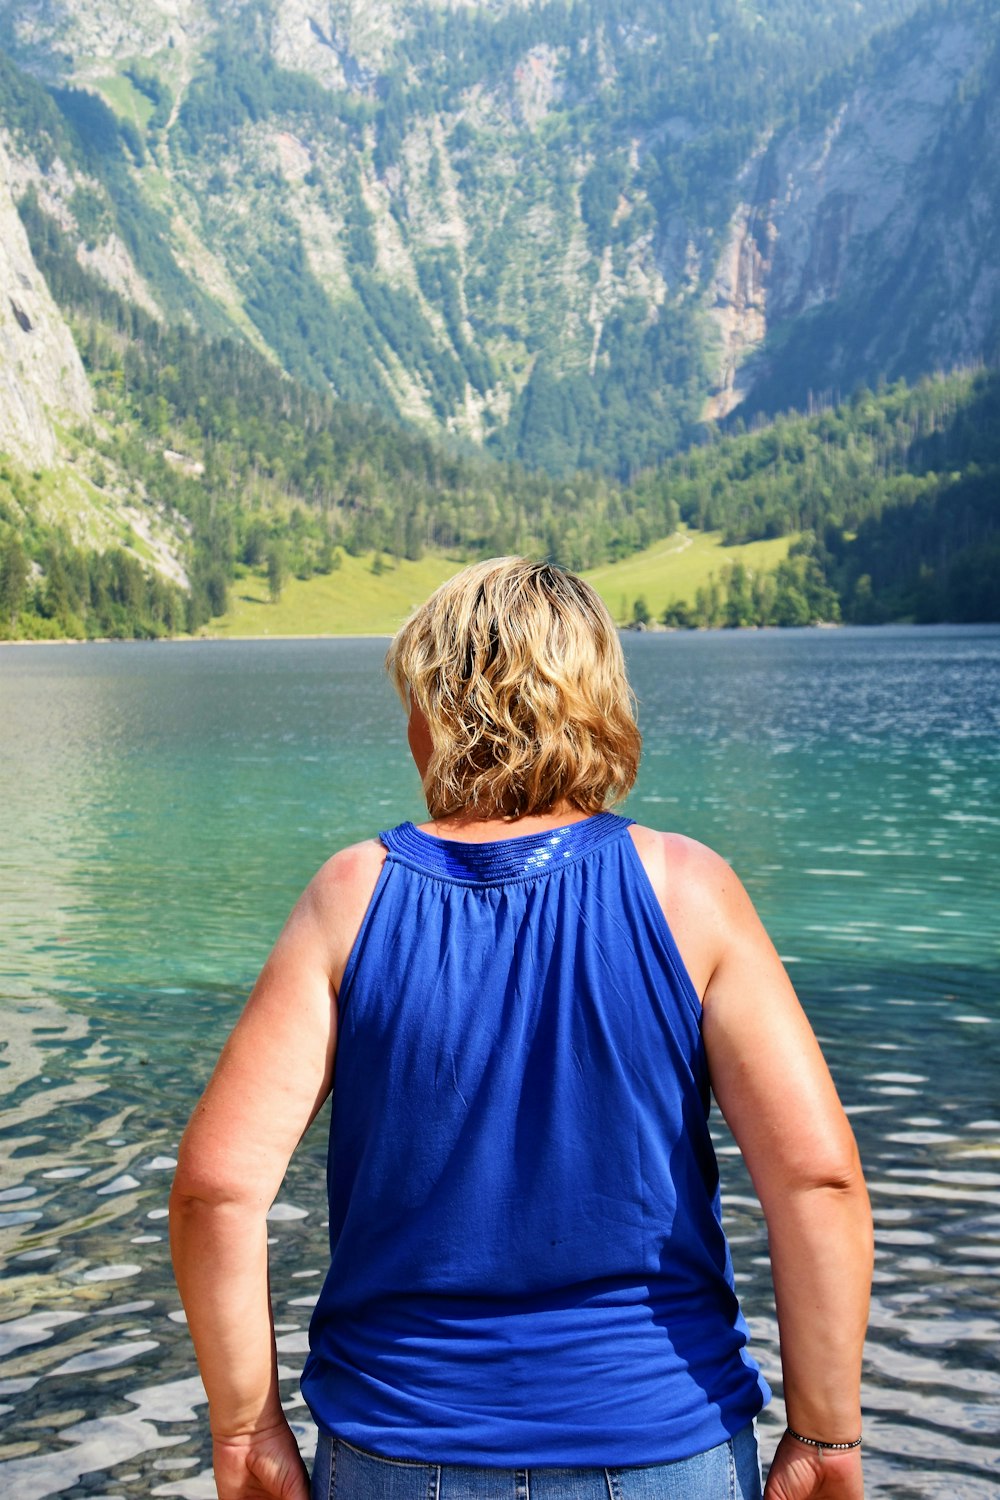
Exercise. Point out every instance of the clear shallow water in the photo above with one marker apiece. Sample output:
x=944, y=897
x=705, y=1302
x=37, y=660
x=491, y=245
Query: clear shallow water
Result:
x=163, y=804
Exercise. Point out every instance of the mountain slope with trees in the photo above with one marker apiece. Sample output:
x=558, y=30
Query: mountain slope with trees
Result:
x=567, y=232
x=893, y=497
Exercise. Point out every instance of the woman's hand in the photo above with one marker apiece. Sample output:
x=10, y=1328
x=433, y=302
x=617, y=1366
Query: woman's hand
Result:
x=263, y=1465
x=802, y=1473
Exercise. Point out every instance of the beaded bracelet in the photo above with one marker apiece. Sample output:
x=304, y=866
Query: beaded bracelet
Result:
x=815, y=1443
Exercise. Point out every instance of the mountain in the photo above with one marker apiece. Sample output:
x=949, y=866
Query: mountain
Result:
x=569, y=232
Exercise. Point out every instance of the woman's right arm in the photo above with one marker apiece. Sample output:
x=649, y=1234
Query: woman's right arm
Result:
x=775, y=1091
x=274, y=1072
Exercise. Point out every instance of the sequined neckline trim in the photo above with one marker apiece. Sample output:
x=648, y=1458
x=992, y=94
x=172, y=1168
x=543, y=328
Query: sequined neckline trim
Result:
x=524, y=857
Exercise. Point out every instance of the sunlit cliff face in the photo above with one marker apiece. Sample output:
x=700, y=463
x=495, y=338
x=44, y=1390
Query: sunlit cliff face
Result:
x=41, y=373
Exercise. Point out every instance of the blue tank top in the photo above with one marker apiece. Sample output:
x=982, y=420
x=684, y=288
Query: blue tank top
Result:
x=528, y=1264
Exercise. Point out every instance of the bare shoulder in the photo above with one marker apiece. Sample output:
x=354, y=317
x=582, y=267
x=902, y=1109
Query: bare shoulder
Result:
x=700, y=894
x=349, y=870
x=333, y=904
x=684, y=871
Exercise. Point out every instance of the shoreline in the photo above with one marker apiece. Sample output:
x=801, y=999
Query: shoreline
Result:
x=195, y=640
x=829, y=627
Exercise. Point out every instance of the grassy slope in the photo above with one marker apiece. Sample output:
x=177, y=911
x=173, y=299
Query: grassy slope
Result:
x=350, y=601
x=126, y=100
x=93, y=515
x=676, y=567
x=354, y=601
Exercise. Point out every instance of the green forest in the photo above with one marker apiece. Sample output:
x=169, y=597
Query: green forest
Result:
x=283, y=468
x=892, y=497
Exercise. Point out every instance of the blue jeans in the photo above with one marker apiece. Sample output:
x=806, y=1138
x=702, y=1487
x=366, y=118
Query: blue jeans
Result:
x=729, y=1472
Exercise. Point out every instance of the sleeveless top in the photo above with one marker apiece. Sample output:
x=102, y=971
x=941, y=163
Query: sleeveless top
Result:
x=528, y=1263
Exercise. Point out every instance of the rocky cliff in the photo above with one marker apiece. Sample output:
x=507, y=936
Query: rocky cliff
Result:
x=41, y=374
x=79, y=40
x=867, y=247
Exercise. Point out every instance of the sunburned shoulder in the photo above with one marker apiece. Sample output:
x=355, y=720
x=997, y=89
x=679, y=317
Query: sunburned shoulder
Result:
x=682, y=862
x=328, y=915
x=339, y=892
x=349, y=872
x=700, y=893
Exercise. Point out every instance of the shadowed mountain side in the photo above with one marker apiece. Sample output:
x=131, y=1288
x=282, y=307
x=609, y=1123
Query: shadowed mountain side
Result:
x=870, y=273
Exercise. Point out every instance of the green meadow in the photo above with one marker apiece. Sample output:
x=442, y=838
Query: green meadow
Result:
x=359, y=599
x=676, y=567
x=355, y=599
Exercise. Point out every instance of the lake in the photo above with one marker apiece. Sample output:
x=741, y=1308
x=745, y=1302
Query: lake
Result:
x=163, y=805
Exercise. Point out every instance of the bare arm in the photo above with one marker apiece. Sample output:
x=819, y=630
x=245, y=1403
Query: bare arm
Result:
x=776, y=1093
x=271, y=1079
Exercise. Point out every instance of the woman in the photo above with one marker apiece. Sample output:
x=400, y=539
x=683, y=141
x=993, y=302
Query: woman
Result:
x=527, y=998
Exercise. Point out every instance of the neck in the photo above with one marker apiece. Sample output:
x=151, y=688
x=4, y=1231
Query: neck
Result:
x=471, y=827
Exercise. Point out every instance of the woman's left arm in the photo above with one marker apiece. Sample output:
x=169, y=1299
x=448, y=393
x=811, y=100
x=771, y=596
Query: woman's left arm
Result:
x=271, y=1079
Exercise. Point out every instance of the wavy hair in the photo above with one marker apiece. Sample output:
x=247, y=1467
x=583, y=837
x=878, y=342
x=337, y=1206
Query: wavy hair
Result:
x=518, y=669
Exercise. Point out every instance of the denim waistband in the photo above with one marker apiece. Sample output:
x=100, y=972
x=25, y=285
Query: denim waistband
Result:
x=729, y=1472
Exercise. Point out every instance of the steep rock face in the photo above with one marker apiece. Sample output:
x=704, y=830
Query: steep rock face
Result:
x=858, y=254
x=738, y=308
x=56, y=188
x=41, y=373
x=343, y=44
x=824, y=196
x=348, y=44
x=113, y=264
x=54, y=34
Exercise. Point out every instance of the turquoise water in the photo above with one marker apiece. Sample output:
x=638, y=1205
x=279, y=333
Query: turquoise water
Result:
x=164, y=803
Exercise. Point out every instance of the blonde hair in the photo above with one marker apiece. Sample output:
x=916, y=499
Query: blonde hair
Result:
x=518, y=670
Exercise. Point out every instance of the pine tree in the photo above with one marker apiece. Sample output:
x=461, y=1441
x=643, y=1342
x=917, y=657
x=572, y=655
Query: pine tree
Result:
x=277, y=570
x=13, y=578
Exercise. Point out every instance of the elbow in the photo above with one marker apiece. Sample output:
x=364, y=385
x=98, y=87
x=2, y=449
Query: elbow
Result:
x=834, y=1174
x=844, y=1195
x=197, y=1190
x=828, y=1198
x=187, y=1197
x=841, y=1176
x=197, y=1198
x=212, y=1177
x=203, y=1215
x=827, y=1162
x=189, y=1200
